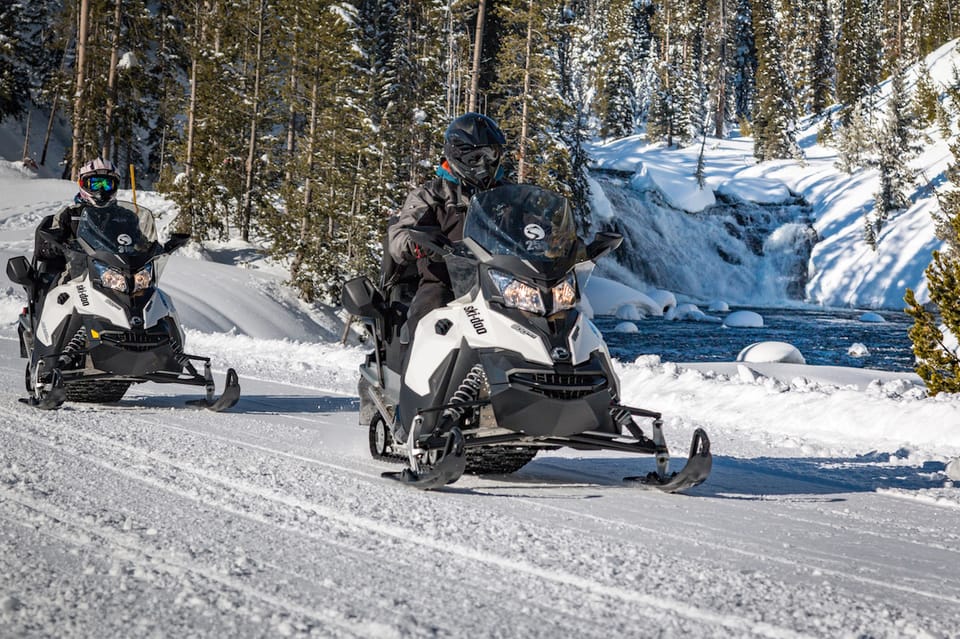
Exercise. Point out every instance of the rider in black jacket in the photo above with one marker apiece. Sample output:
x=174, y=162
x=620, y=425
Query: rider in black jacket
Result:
x=472, y=161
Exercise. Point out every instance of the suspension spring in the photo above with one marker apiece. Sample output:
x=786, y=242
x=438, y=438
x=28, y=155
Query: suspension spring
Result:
x=73, y=348
x=468, y=391
x=181, y=357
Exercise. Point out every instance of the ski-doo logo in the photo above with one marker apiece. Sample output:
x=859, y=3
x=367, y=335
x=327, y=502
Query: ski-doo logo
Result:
x=473, y=314
x=82, y=294
x=124, y=240
x=534, y=232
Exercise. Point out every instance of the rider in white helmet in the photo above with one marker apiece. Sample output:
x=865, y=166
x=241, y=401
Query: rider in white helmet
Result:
x=98, y=183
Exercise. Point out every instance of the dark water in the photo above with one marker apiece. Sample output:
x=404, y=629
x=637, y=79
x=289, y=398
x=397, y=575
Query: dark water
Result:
x=822, y=336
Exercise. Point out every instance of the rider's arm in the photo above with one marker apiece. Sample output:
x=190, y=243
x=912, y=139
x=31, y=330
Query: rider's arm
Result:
x=418, y=210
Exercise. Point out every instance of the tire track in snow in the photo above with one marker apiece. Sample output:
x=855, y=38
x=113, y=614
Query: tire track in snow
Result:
x=665, y=607
x=65, y=526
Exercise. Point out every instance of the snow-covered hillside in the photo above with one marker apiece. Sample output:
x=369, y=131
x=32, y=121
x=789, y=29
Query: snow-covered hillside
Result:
x=844, y=270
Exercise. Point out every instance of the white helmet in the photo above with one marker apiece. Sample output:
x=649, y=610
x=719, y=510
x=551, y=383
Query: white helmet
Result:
x=99, y=182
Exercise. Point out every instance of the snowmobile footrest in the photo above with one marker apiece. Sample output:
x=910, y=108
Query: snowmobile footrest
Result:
x=699, y=465
x=230, y=396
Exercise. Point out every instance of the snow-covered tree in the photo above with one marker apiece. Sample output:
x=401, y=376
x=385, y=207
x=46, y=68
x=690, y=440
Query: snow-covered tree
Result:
x=936, y=325
x=896, y=146
x=775, y=112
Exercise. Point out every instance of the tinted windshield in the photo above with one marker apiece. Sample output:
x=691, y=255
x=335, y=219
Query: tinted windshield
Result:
x=120, y=229
x=527, y=222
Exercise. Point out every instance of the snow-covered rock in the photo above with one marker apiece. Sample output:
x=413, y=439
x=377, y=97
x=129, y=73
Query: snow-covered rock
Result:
x=718, y=306
x=628, y=312
x=953, y=469
x=771, y=352
x=679, y=189
x=759, y=190
x=743, y=319
x=626, y=327
x=607, y=296
x=858, y=350
x=872, y=318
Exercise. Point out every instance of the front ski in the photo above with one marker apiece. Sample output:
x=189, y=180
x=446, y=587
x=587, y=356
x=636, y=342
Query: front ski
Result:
x=51, y=398
x=445, y=470
x=230, y=396
x=698, y=467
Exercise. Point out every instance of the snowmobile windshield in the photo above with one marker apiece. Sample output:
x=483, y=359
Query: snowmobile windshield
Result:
x=526, y=222
x=119, y=229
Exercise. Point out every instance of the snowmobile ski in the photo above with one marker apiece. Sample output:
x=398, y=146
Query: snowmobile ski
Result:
x=51, y=398
x=438, y=472
x=230, y=396
x=694, y=473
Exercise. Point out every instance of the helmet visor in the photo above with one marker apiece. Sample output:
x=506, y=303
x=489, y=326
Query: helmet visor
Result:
x=99, y=183
x=479, y=156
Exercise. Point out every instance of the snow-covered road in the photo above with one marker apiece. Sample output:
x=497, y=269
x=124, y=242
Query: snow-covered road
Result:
x=146, y=519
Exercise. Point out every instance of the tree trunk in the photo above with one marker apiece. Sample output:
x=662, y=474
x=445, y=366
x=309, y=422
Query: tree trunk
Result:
x=477, y=50
x=78, y=93
x=112, y=82
x=292, y=113
x=720, y=114
x=254, y=120
x=26, y=137
x=191, y=121
x=301, y=250
x=521, y=164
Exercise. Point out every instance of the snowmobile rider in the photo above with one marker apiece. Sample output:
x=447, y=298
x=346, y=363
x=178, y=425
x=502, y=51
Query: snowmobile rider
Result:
x=98, y=182
x=472, y=161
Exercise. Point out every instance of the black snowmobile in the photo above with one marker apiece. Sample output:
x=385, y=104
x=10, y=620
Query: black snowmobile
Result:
x=107, y=325
x=510, y=367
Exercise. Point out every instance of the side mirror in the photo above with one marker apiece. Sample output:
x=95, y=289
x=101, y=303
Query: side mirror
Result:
x=19, y=271
x=176, y=241
x=603, y=243
x=361, y=298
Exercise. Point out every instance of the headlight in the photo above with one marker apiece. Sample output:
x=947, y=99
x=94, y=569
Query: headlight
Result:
x=143, y=278
x=110, y=278
x=565, y=294
x=516, y=294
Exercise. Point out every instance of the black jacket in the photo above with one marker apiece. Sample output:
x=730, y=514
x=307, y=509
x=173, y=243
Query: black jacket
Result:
x=441, y=203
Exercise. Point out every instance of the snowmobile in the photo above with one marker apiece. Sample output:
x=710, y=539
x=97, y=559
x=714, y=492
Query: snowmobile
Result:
x=509, y=368
x=104, y=324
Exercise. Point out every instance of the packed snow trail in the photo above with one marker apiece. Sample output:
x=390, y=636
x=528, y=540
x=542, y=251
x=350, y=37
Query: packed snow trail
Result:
x=270, y=520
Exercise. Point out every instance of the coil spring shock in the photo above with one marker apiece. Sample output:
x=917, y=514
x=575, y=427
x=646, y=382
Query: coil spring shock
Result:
x=181, y=357
x=468, y=391
x=73, y=348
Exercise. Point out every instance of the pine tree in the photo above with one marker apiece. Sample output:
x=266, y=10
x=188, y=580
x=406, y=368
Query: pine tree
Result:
x=937, y=363
x=854, y=138
x=616, y=104
x=744, y=62
x=774, y=116
x=896, y=146
x=13, y=76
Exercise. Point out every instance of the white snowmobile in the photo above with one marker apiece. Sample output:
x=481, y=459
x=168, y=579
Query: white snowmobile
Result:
x=510, y=367
x=108, y=325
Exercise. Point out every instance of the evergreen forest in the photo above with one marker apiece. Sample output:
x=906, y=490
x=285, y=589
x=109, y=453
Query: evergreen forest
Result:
x=302, y=125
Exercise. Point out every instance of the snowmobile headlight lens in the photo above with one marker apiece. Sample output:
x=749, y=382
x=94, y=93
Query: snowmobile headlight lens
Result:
x=565, y=294
x=110, y=278
x=143, y=278
x=517, y=294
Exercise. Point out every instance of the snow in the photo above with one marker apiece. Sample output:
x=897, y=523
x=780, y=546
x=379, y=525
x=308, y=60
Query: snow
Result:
x=743, y=319
x=873, y=318
x=771, y=352
x=833, y=508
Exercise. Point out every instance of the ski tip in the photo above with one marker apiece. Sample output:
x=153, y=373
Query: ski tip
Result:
x=229, y=398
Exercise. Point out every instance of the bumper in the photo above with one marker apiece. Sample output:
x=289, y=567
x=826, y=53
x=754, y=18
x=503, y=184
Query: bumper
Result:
x=544, y=402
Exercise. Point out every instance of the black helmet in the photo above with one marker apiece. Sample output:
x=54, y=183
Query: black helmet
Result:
x=473, y=146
